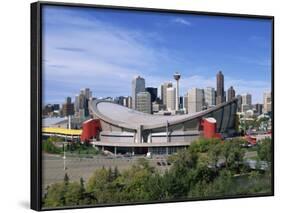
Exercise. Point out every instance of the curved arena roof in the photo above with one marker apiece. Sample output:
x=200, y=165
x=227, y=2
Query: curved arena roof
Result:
x=128, y=118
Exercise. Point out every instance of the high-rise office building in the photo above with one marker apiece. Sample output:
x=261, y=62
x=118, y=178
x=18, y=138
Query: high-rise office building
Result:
x=239, y=103
x=171, y=99
x=156, y=107
x=81, y=102
x=267, y=102
x=144, y=102
x=130, y=102
x=210, y=96
x=247, y=99
x=230, y=93
x=220, y=98
x=76, y=103
x=195, y=100
x=164, y=93
x=119, y=100
x=246, y=107
x=185, y=102
x=127, y=102
x=181, y=102
x=153, y=93
x=138, y=85
x=88, y=93
x=258, y=109
x=68, y=107
x=246, y=102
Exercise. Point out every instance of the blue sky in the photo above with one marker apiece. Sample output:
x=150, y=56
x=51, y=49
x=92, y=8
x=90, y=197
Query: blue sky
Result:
x=104, y=49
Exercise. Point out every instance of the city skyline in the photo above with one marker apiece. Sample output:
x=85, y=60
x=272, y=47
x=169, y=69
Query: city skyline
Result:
x=159, y=93
x=105, y=57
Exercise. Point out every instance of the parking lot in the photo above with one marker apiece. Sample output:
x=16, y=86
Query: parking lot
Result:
x=53, y=166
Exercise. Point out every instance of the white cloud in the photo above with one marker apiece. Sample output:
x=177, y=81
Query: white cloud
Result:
x=95, y=54
x=182, y=21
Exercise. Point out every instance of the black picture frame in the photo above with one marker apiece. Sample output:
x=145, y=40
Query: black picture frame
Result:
x=36, y=96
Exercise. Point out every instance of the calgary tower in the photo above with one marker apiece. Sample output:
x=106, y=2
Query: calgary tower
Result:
x=177, y=77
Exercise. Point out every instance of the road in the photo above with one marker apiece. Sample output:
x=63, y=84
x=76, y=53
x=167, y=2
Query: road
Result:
x=53, y=165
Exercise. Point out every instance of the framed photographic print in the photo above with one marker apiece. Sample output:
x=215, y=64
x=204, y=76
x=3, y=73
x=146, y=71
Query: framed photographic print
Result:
x=139, y=105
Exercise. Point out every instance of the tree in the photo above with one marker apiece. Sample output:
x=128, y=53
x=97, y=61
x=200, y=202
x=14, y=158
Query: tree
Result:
x=226, y=151
x=72, y=194
x=236, y=157
x=82, y=187
x=264, y=150
x=97, y=185
x=215, y=153
x=55, y=195
x=66, y=179
x=49, y=146
x=116, y=173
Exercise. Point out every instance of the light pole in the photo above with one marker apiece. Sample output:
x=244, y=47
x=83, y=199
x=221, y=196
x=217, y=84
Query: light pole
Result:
x=177, y=78
x=64, y=156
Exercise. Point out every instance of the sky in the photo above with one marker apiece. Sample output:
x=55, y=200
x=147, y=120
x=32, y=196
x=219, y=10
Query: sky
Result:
x=104, y=49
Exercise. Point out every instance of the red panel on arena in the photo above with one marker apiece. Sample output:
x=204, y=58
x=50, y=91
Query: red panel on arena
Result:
x=90, y=129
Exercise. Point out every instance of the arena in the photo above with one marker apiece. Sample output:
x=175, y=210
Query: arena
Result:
x=126, y=130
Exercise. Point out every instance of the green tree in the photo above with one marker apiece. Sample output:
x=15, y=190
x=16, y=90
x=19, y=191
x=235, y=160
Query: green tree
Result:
x=66, y=179
x=264, y=150
x=49, y=146
x=55, y=195
x=72, y=194
x=215, y=153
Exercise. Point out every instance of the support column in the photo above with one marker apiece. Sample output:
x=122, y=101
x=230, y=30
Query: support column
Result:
x=150, y=138
x=139, y=134
x=115, y=150
x=133, y=151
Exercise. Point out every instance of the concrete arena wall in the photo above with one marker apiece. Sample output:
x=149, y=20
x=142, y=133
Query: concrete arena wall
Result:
x=123, y=137
x=176, y=137
x=173, y=137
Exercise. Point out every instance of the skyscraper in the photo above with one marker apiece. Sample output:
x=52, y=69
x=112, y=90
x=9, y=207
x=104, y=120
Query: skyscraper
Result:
x=185, y=102
x=220, y=88
x=246, y=102
x=171, y=99
x=153, y=93
x=258, y=109
x=76, y=103
x=119, y=100
x=247, y=99
x=239, y=103
x=144, y=102
x=127, y=102
x=267, y=102
x=230, y=93
x=195, y=100
x=68, y=107
x=210, y=96
x=87, y=93
x=181, y=102
x=138, y=85
x=81, y=102
x=164, y=93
